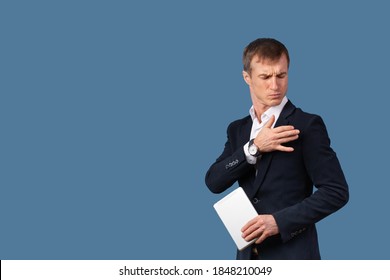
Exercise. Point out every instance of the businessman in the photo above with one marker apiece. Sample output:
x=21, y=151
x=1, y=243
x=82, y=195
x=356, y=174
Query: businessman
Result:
x=278, y=154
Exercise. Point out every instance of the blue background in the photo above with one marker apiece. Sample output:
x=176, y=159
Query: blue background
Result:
x=112, y=111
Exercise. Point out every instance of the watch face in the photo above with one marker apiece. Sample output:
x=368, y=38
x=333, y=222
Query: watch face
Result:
x=252, y=150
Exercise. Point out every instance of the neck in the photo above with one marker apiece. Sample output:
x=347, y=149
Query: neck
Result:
x=259, y=109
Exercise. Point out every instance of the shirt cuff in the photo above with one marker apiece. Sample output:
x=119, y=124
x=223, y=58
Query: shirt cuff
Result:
x=249, y=158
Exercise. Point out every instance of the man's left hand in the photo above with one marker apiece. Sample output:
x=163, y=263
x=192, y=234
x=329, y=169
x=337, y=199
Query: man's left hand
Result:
x=261, y=227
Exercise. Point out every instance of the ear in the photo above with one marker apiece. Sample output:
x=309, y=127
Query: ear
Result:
x=247, y=77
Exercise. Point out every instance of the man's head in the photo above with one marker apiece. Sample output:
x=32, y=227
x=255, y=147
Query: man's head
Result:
x=266, y=63
x=264, y=49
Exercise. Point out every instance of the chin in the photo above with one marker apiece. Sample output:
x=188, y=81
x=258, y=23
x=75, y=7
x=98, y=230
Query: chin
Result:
x=276, y=102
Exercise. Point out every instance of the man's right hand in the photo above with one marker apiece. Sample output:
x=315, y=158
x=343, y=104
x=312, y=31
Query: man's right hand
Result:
x=271, y=139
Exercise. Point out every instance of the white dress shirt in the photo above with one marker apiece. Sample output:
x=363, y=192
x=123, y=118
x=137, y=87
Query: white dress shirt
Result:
x=257, y=126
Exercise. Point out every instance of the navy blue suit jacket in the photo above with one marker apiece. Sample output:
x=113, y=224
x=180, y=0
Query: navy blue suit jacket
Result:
x=284, y=184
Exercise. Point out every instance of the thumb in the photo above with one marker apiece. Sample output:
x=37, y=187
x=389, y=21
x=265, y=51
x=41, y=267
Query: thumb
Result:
x=270, y=122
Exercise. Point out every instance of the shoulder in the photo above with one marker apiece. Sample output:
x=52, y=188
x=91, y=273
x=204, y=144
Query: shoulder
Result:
x=310, y=125
x=300, y=114
x=304, y=119
x=240, y=123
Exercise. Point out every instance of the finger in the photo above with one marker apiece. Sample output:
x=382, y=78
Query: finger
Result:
x=283, y=128
x=286, y=134
x=261, y=238
x=286, y=139
x=255, y=234
x=250, y=230
x=270, y=122
x=249, y=224
x=285, y=149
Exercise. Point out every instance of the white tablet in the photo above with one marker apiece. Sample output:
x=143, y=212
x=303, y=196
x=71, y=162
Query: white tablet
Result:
x=235, y=210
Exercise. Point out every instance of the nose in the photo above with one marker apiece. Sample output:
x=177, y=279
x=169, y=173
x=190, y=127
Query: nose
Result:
x=274, y=83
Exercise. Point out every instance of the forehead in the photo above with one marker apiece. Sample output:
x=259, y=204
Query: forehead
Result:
x=266, y=64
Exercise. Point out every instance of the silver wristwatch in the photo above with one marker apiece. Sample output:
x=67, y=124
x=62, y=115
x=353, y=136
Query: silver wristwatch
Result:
x=253, y=149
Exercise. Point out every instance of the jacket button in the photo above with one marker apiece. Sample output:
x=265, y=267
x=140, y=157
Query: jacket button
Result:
x=255, y=200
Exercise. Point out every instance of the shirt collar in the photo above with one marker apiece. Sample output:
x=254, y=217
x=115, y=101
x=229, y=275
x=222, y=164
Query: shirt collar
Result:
x=274, y=110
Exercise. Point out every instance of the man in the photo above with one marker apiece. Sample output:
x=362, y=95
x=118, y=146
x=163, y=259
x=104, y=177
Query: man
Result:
x=277, y=154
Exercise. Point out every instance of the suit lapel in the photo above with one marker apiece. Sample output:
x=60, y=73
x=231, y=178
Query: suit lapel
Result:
x=245, y=133
x=288, y=109
x=266, y=159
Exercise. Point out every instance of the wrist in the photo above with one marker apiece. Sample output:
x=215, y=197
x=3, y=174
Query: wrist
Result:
x=253, y=150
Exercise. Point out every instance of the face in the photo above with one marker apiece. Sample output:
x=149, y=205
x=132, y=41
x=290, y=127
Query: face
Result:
x=268, y=82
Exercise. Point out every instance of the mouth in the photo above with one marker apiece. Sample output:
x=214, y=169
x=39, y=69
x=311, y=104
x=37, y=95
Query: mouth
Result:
x=275, y=96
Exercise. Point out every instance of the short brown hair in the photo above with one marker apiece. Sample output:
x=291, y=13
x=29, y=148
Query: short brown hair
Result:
x=264, y=48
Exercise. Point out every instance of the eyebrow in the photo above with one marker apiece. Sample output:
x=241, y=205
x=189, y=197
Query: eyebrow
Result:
x=269, y=75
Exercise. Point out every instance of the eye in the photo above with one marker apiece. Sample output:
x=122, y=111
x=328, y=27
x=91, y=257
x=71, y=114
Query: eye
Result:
x=265, y=77
x=281, y=75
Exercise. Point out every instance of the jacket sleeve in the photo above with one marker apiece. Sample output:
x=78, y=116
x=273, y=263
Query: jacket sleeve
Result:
x=325, y=172
x=229, y=166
